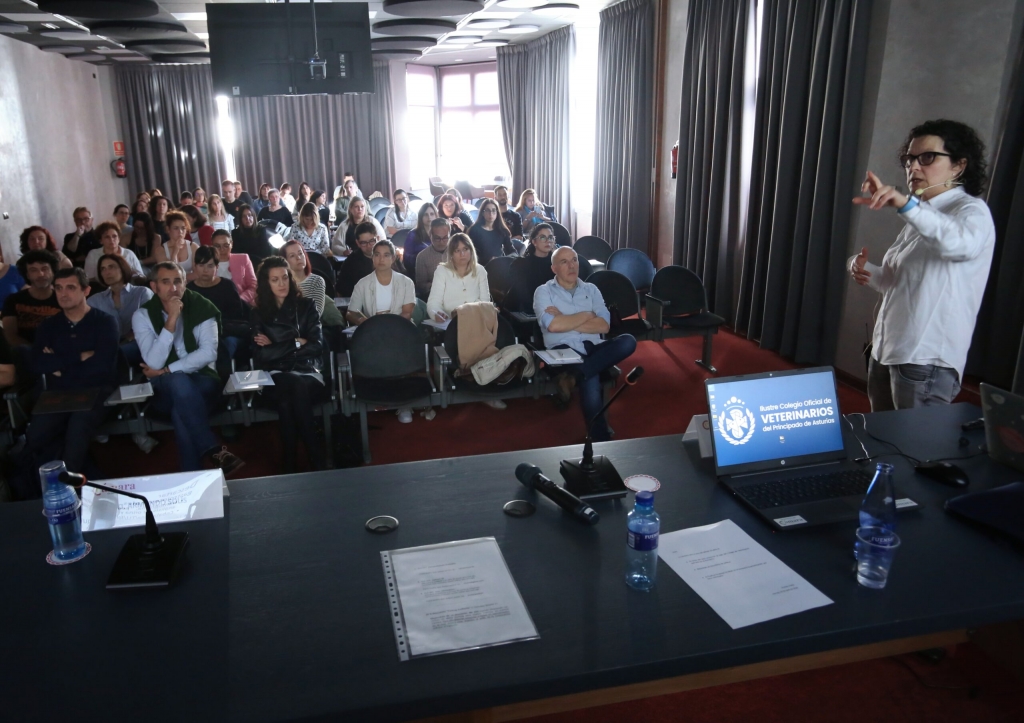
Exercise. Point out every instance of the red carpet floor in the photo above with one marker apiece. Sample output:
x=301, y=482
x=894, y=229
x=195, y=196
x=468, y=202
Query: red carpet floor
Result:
x=669, y=394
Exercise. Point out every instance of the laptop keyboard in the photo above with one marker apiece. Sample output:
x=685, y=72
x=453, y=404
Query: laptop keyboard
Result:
x=783, y=492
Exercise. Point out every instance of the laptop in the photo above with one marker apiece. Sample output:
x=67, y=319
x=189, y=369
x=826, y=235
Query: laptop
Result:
x=777, y=439
x=1004, y=425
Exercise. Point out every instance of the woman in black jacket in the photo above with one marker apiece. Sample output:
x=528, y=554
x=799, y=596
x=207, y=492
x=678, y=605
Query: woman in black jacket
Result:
x=289, y=344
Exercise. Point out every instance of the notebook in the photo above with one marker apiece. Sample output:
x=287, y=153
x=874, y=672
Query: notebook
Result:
x=778, y=446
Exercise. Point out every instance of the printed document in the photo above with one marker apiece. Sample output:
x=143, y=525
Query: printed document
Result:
x=175, y=497
x=454, y=596
x=741, y=581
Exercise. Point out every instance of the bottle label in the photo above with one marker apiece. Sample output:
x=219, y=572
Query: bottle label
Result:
x=641, y=541
x=62, y=515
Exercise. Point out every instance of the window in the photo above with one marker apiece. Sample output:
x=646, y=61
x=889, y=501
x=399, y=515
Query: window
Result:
x=471, y=142
x=421, y=123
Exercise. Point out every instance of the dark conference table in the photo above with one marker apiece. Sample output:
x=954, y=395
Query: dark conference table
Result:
x=282, y=613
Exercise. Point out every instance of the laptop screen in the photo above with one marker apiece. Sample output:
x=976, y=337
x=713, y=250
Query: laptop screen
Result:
x=773, y=420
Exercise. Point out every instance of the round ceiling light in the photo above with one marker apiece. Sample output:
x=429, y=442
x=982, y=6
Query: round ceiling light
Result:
x=12, y=28
x=556, y=9
x=491, y=44
x=66, y=34
x=486, y=24
x=410, y=43
x=101, y=8
x=180, y=58
x=138, y=29
x=519, y=29
x=167, y=46
x=88, y=57
x=396, y=54
x=431, y=8
x=62, y=49
x=414, y=27
x=462, y=39
x=520, y=4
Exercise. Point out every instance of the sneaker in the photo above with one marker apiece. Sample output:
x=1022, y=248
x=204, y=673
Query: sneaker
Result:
x=102, y=438
x=429, y=414
x=144, y=442
x=229, y=463
x=405, y=416
x=496, y=404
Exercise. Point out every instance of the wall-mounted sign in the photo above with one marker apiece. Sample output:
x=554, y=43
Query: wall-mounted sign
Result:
x=118, y=148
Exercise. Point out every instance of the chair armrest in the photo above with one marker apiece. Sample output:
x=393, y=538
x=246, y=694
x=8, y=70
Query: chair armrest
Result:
x=655, y=311
x=444, y=362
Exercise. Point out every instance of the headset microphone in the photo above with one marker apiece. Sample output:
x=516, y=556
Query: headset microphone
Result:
x=947, y=184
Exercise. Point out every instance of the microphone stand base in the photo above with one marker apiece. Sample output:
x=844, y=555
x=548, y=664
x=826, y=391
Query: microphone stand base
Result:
x=140, y=567
x=596, y=481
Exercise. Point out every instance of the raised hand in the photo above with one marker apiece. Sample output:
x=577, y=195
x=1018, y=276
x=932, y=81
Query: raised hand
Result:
x=879, y=194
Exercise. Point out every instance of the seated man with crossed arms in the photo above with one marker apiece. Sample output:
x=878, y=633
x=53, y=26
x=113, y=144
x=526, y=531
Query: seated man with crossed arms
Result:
x=572, y=315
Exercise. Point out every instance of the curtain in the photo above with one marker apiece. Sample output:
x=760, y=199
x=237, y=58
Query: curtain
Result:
x=170, y=125
x=710, y=192
x=997, y=350
x=809, y=95
x=317, y=139
x=533, y=88
x=624, y=134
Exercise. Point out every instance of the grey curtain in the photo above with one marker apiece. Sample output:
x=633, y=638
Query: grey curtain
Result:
x=997, y=350
x=809, y=97
x=624, y=135
x=709, y=193
x=317, y=139
x=533, y=87
x=170, y=124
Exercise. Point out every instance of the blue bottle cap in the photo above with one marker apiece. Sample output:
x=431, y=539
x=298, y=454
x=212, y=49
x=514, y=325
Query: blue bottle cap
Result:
x=645, y=498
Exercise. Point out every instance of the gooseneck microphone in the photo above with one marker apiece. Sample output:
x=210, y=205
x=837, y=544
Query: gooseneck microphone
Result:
x=149, y=560
x=531, y=476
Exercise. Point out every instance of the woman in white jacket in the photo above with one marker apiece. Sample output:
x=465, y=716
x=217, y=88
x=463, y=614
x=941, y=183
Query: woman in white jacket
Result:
x=457, y=281
x=933, y=278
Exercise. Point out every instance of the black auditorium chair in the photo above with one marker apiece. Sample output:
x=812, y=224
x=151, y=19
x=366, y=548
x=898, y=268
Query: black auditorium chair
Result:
x=622, y=300
x=562, y=236
x=377, y=204
x=634, y=265
x=436, y=186
x=678, y=304
x=585, y=268
x=474, y=213
x=386, y=366
x=463, y=389
x=323, y=268
x=381, y=213
x=593, y=248
x=499, y=277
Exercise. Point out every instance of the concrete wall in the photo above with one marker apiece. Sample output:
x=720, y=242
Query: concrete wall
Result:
x=58, y=121
x=940, y=59
x=928, y=59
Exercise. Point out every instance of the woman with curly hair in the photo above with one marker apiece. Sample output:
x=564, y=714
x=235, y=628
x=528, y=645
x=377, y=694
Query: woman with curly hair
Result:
x=37, y=238
x=933, y=278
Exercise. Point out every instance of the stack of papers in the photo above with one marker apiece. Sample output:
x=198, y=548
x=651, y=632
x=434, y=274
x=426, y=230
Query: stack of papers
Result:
x=442, y=325
x=556, y=357
x=136, y=392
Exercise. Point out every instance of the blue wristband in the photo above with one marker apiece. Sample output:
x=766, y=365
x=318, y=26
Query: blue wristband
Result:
x=912, y=202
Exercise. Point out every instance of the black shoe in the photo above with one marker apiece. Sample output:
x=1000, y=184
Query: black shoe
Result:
x=229, y=463
x=565, y=383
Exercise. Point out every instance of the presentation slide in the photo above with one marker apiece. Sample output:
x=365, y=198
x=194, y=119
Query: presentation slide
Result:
x=779, y=417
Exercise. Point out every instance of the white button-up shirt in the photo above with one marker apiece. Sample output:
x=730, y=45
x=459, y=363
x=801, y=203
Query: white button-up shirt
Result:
x=932, y=281
x=156, y=346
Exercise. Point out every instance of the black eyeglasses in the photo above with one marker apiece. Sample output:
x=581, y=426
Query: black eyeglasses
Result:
x=925, y=159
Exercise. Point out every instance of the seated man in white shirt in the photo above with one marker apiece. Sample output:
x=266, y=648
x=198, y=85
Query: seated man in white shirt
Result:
x=177, y=332
x=572, y=314
x=383, y=291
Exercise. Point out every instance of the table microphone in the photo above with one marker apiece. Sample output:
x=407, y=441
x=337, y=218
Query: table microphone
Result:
x=531, y=476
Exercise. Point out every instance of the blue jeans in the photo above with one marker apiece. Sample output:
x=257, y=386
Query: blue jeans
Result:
x=66, y=435
x=133, y=355
x=904, y=386
x=178, y=395
x=598, y=358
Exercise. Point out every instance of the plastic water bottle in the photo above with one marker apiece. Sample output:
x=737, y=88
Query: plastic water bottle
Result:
x=879, y=506
x=642, y=525
x=63, y=510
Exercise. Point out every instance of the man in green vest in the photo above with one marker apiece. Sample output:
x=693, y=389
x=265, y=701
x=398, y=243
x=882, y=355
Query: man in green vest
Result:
x=178, y=332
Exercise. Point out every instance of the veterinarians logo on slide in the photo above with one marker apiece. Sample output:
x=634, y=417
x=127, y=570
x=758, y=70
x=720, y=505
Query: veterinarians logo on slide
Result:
x=736, y=422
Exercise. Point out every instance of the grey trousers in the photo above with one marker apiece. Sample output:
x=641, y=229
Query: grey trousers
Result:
x=903, y=386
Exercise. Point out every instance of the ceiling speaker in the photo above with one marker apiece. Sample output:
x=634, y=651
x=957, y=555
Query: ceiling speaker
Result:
x=106, y=9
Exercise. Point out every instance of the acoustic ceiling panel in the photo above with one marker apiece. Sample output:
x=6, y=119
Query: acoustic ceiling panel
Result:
x=166, y=45
x=408, y=43
x=107, y=9
x=414, y=27
x=138, y=29
x=431, y=8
